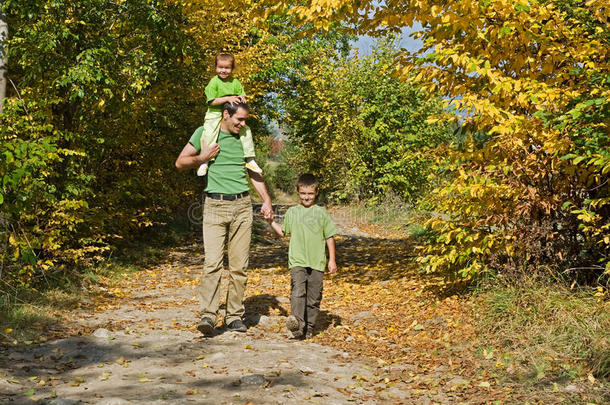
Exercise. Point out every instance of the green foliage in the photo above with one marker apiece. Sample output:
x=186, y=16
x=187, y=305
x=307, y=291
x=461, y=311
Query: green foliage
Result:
x=363, y=131
x=288, y=169
x=104, y=95
x=89, y=129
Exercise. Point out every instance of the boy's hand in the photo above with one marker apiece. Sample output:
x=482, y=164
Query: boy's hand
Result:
x=332, y=267
x=235, y=99
x=242, y=98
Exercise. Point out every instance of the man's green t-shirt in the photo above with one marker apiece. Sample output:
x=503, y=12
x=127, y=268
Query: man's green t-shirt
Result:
x=218, y=88
x=227, y=173
x=308, y=229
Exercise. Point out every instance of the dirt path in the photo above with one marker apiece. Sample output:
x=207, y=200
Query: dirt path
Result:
x=138, y=345
x=386, y=334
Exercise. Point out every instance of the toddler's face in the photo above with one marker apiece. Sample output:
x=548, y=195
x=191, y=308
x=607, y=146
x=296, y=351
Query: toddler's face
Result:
x=307, y=194
x=224, y=67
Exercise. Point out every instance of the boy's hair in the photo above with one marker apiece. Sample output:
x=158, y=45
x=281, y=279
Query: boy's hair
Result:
x=232, y=108
x=307, y=179
x=225, y=56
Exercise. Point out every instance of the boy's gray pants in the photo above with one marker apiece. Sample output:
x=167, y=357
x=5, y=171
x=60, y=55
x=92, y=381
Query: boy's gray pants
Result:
x=305, y=295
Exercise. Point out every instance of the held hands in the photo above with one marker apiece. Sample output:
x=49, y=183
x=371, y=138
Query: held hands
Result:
x=332, y=267
x=267, y=212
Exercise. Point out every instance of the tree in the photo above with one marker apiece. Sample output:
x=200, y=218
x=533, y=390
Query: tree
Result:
x=3, y=59
x=533, y=77
x=109, y=92
x=361, y=129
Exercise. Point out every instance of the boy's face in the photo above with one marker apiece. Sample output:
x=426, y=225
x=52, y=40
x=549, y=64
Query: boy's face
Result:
x=224, y=67
x=307, y=194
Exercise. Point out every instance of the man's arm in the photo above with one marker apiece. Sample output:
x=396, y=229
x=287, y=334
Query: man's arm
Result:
x=332, y=265
x=190, y=159
x=259, y=185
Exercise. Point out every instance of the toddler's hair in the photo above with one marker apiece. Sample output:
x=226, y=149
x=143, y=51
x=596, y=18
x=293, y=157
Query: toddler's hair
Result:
x=307, y=179
x=225, y=56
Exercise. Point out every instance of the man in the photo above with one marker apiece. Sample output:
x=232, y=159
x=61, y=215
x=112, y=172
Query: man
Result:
x=227, y=217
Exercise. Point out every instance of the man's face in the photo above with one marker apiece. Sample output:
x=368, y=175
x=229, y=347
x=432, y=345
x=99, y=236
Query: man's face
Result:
x=235, y=122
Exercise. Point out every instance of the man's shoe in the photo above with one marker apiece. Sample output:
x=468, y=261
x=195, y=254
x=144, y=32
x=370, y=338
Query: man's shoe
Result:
x=292, y=324
x=206, y=326
x=237, y=326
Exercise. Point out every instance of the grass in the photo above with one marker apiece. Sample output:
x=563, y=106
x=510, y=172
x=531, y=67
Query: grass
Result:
x=27, y=313
x=537, y=333
x=545, y=334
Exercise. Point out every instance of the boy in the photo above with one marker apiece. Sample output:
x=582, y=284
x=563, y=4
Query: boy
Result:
x=310, y=229
x=224, y=88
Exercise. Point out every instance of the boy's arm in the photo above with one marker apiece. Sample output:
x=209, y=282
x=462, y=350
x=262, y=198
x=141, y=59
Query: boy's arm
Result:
x=276, y=227
x=332, y=265
x=225, y=99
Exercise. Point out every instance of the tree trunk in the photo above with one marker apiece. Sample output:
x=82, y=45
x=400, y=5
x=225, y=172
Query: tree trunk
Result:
x=3, y=57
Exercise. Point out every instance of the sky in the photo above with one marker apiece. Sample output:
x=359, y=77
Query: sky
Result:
x=366, y=43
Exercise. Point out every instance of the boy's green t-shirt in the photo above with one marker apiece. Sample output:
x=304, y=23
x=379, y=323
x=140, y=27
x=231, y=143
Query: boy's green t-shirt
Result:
x=308, y=229
x=218, y=88
x=227, y=173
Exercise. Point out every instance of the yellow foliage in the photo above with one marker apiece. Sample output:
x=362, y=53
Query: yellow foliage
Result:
x=520, y=72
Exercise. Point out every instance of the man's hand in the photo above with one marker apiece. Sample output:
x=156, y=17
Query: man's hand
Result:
x=209, y=152
x=332, y=267
x=267, y=211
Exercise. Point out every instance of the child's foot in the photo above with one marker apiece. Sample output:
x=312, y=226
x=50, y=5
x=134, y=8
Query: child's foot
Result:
x=309, y=334
x=253, y=166
x=203, y=169
x=293, y=326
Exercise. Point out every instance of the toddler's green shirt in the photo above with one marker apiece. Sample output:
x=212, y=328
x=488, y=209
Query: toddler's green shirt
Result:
x=308, y=229
x=217, y=88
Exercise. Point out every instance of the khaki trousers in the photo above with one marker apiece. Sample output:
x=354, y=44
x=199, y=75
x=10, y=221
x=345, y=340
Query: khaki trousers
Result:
x=225, y=223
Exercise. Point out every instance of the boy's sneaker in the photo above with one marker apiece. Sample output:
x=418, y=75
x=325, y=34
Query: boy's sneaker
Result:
x=253, y=166
x=206, y=326
x=309, y=334
x=237, y=326
x=203, y=169
x=292, y=324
